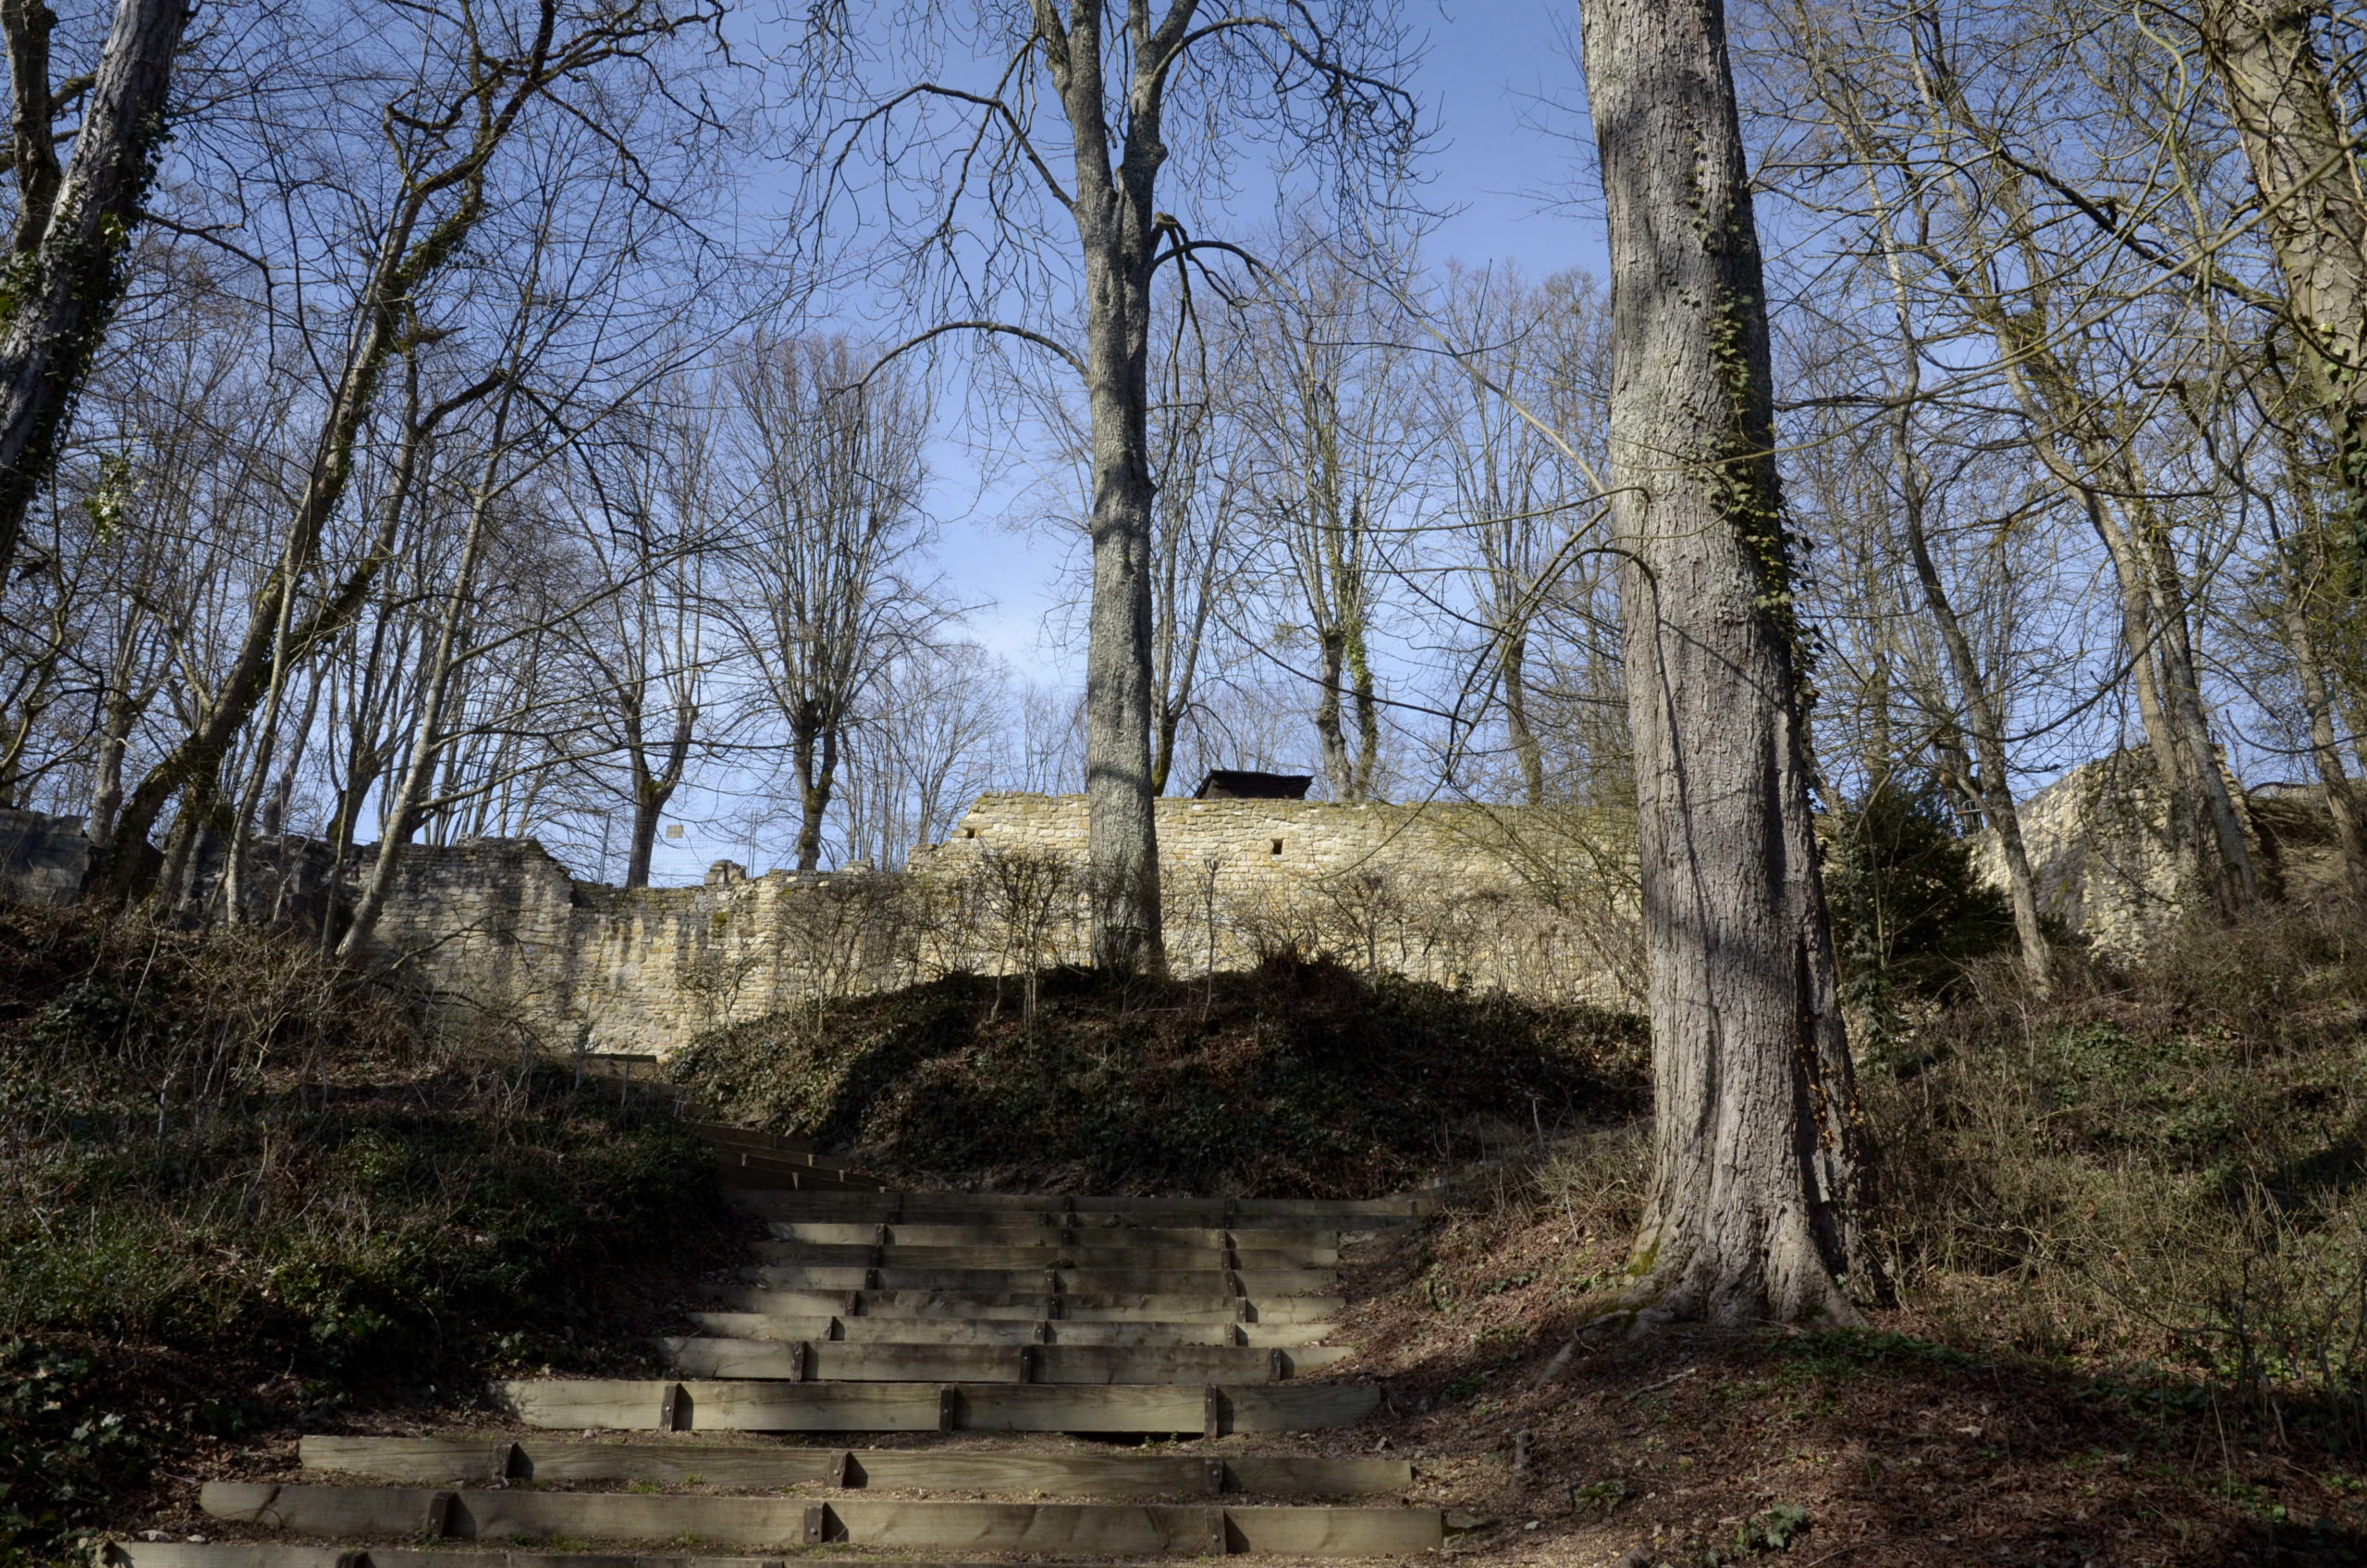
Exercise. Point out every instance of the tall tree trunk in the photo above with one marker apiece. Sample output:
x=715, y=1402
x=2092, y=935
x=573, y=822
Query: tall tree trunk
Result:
x=1339, y=770
x=1118, y=233
x=653, y=787
x=814, y=750
x=2235, y=882
x=122, y=711
x=427, y=736
x=1525, y=750
x=75, y=229
x=2296, y=578
x=2204, y=830
x=1368, y=710
x=2312, y=206
x=1996, y=790
x=648, y=809
x=1756, y=1166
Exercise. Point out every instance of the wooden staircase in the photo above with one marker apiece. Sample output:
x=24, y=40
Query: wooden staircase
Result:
x=948, y=1316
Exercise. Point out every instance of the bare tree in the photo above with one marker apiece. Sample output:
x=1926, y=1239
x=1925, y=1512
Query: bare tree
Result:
x=2303, y=150
x=1756, y=1164
x=1336, y=461
x=829, y=524
x=931, y=737
x=648, y=529
x=480, y=74
x=73, y=224
x=1520, y=352
x=1321, y=76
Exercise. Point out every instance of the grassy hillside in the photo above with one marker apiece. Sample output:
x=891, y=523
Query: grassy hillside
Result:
x=240, y=1193
x=1290, y=1080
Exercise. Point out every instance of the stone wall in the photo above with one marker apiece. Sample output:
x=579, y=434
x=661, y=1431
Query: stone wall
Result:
x=1536, y=900
x=1540, y=902
x=510, y=943
x=2100, y=853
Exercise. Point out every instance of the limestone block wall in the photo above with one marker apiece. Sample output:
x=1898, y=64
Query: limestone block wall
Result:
x=1455, y=893
x=1541, y=902
x=507, y=940
x=2100, y=853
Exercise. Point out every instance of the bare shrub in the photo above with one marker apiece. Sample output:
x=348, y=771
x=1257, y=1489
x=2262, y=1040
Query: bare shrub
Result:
x=1033, y=896
x=1361, y=916
x=1274, y=924
x=842, y=931
x=2151, y=1168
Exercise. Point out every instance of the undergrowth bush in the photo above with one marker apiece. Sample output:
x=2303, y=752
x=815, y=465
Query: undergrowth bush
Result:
x=2158, y=1167
x=1289, y=1079
x=61, y=1456
x=210, y=1144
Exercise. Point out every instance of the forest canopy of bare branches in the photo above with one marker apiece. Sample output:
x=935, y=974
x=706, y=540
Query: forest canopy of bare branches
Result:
x=547, y=419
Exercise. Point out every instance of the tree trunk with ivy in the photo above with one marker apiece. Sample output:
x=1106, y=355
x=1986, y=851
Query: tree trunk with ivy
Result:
x=73, y=226
x=1755, y=1149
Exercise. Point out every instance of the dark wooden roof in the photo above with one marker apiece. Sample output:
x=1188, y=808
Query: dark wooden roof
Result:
x=1235, y=784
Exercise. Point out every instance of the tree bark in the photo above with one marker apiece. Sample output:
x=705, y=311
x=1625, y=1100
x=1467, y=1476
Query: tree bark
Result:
x=2313, y=209
x=73, y=231
x=1525, y=750
x=652, y=787
x=1339, y=771
x=814, y=748
x=1118, y=231
x=1755, y=1165
x=2295, y=561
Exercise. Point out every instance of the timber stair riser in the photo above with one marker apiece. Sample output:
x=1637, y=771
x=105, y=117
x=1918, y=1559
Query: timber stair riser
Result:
x=274, y=1554
x=779, y=1406
x=835, y=1361
x=1065, y=1281
x=867, y=1207
x=1045, y=1230
x=1001, y=1331
x=1018, y=1257
x=1028, y=1306
x=772, y=1176
x=1122, y=1529
x=427, y=1460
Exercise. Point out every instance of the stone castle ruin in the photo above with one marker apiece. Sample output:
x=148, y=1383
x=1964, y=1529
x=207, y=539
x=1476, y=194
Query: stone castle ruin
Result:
x=1534, y=900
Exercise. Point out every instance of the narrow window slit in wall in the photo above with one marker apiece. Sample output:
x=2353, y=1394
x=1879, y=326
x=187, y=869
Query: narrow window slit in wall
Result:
x=1277, y=849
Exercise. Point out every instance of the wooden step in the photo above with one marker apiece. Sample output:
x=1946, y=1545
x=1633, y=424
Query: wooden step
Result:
x=1048, y=1281
x=779, y=1407
x=1044, y=1255
x=277, y=1554
x=748, y=1169
x=1026, y=1306
x=748, y=1137
x=1003, y=1331
x=431, y=1460
x=835, y=1361
x=1116, y=1529
x=1087, y=1231
x=957, y=1207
